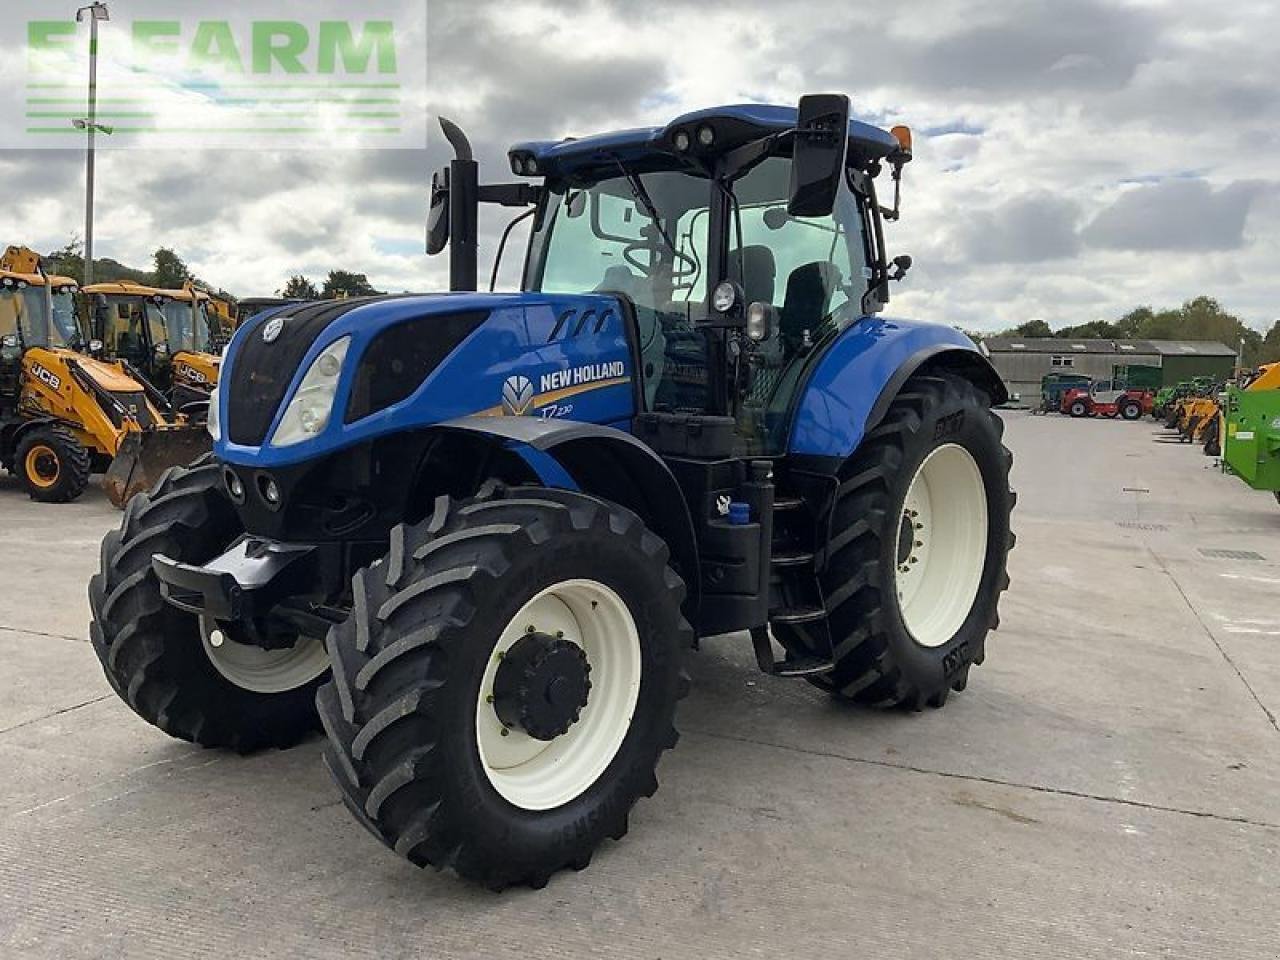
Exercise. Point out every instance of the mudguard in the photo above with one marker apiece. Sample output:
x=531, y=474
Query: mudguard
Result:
x=852, y=384
x=607, y=463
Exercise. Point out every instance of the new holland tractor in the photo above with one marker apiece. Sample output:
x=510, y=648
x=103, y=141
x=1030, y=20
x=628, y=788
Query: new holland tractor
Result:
x=168, y=336
x=473, y=536
x=64, y=415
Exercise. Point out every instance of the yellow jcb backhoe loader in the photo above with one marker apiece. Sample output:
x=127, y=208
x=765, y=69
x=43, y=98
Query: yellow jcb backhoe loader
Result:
x=63, y=414
x=167, y=336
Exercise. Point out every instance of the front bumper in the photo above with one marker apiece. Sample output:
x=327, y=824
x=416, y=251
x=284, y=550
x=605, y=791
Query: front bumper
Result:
x=245, y=583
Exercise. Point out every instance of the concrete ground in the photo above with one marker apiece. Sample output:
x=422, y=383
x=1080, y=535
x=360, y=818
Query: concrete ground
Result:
x=1108, y=786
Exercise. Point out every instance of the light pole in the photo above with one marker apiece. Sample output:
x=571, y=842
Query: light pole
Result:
x=96, y=11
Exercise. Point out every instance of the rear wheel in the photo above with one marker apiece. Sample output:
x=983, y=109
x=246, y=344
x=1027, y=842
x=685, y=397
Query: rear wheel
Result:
x=53, y=465
x=172, y=669
x=1078, y=409
x=1131, y=410
x=506, y=683
x=916, y=562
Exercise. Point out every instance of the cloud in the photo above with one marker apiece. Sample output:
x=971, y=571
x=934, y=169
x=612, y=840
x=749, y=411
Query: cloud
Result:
x=1026, y=229
x=1186, y=215
x=1075, y=135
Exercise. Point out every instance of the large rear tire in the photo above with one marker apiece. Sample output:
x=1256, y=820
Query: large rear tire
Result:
x=449, y=736
x=917, y=558
x=53, y=464
x=161, y=661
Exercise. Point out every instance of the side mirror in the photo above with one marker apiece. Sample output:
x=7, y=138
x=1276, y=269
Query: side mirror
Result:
x=901, y=265
x=817, y=159
x=438, y=218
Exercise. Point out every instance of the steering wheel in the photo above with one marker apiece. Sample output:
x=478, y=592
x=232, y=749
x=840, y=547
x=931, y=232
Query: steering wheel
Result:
x=630, y=253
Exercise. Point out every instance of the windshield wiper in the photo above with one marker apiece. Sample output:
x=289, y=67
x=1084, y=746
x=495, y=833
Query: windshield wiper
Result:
x=641, y=196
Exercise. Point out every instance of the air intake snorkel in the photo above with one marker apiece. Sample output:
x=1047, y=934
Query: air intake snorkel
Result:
x=464, y=200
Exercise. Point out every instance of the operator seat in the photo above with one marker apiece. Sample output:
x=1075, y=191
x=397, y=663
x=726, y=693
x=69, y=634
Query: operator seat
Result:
x=810, y=288
x=756, y=270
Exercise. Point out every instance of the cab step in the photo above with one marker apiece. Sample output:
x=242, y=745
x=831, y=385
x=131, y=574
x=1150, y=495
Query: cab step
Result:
x=794, y=558
x=797, y=615
x=789, y=666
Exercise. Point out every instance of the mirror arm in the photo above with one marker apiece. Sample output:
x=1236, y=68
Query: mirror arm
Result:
x=510, y=194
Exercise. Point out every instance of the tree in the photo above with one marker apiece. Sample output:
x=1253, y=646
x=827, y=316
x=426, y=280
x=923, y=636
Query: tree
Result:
x=300, y=288
x=1031, y=328
x=1269, y=351
x=341, y=283
x=170, y=270
x=69, y=261
x=1094, y=329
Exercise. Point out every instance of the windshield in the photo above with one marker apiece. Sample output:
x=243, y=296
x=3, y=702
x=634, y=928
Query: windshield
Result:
x=180, y=327
x=24, y=313
x=605, y=238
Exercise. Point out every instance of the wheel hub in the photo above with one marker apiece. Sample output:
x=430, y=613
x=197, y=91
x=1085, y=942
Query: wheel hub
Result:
x=542, y=685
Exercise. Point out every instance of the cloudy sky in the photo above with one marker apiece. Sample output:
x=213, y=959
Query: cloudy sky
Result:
x=1073, y=159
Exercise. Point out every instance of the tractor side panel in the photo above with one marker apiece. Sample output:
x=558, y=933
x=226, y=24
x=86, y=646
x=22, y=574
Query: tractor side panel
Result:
x=849, y=382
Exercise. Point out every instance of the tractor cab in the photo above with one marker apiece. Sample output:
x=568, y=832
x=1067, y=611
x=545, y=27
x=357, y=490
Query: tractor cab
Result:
x=169, y=336
x=37, y=311
x=742, y=240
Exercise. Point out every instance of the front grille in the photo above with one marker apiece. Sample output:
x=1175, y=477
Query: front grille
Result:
x=401, y=357
x=261, y=372
x=135, y=405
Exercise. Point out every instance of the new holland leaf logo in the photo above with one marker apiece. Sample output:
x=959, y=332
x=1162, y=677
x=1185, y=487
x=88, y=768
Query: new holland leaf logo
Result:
x=517, y=396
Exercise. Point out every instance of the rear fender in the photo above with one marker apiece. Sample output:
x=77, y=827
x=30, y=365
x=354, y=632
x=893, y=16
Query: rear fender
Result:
x=853, y=383
x=603, y=462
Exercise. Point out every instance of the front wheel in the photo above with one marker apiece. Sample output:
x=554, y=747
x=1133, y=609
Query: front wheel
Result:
x=506, y=683
x=1078, y=409
x=173, y=670
x=917, y=558
x=53, y=464
x=1131, y=410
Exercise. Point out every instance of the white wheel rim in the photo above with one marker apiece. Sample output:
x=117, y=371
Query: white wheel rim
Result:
x=937, y=581
x=266, y=671
x=542, y=774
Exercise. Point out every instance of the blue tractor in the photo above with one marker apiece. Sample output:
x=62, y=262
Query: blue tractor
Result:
x=472, y=536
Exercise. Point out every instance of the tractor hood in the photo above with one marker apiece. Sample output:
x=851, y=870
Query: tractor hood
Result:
x=307, y=380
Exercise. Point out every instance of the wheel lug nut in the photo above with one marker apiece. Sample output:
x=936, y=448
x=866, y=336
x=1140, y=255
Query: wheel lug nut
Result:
x=915, y=560
x=506, y=732
x=919, y=543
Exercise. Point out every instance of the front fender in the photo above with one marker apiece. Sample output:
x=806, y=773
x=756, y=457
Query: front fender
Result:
x=606, y=463
x=852, y=384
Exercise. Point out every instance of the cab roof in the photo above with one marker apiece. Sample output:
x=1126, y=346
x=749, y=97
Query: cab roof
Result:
x=127, y=288
x=651, y=148
x=11, y=278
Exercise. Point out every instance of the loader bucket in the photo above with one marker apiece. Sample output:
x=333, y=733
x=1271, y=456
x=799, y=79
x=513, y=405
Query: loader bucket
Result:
x=144, y=457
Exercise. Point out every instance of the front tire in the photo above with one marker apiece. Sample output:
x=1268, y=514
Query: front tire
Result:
x=160, y=660
x=917, y=558
x=1131, y=410
x=1078, y=409
x=53, y=465
x=448, y=735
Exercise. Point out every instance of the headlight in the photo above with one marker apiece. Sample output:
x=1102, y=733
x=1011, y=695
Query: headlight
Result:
x=309, y=411
x=212, y=423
